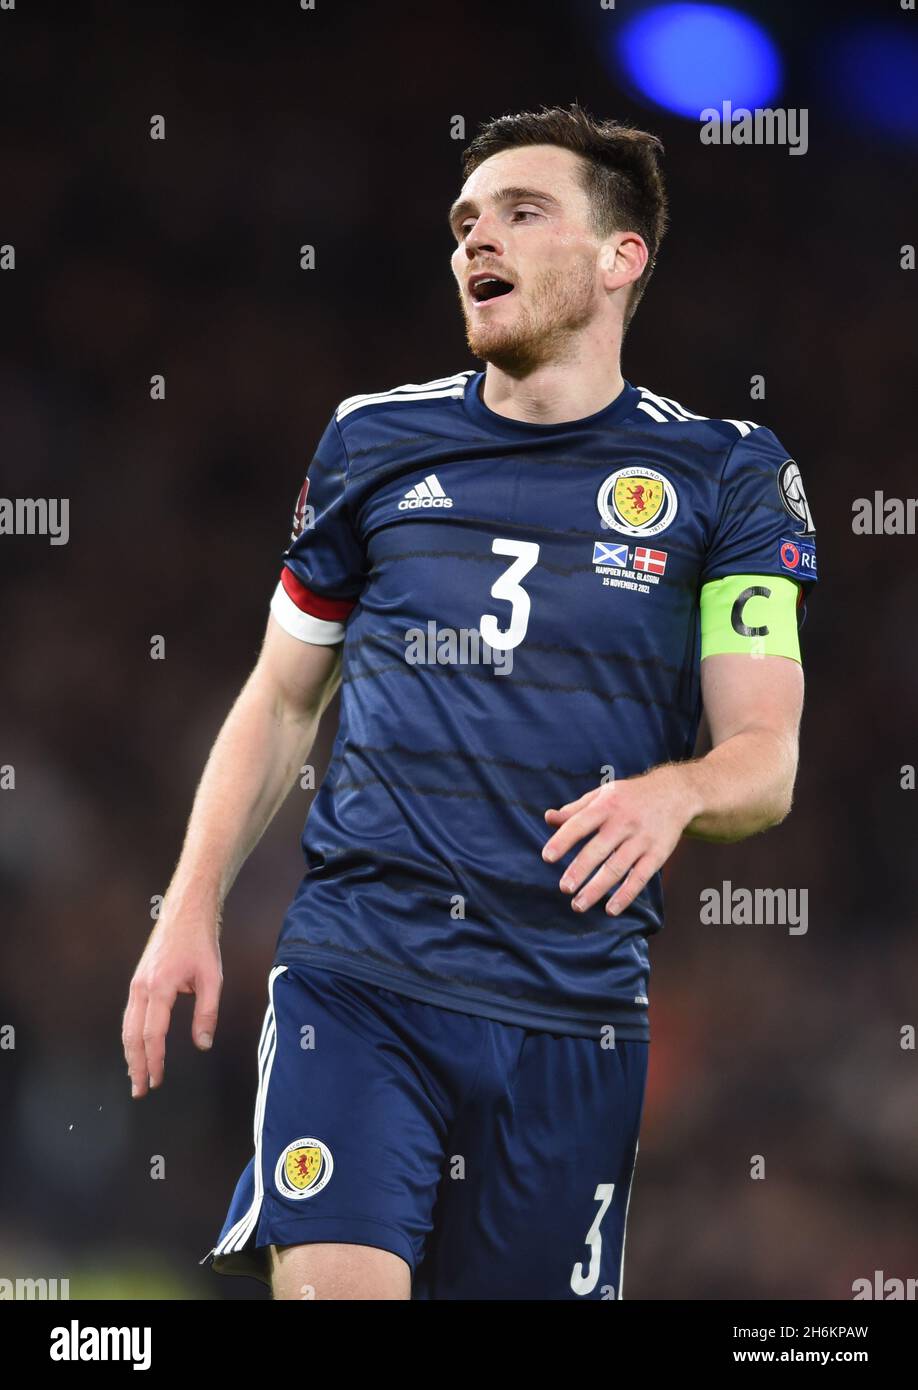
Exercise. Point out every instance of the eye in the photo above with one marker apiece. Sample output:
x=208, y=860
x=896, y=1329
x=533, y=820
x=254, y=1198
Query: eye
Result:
x=524, y=212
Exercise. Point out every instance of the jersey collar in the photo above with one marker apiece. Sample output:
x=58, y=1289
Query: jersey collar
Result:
x=482, y=414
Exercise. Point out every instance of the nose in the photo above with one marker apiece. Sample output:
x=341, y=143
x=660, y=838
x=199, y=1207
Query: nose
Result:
x=484, y=236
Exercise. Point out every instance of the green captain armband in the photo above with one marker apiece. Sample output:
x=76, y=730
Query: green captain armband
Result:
x=753, y=613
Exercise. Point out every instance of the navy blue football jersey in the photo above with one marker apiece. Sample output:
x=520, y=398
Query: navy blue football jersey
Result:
x=519, y=610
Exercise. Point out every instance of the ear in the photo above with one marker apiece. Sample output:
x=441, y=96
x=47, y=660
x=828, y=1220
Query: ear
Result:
x=622, y=259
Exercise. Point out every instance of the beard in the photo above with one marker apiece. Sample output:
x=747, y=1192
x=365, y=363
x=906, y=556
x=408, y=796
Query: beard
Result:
x=559, y=304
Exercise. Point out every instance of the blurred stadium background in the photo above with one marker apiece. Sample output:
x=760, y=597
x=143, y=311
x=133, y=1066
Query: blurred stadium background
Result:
x=133, y=257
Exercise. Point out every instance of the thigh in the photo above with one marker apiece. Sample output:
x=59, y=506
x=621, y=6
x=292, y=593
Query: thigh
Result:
x=549, y=1151
x=352, y=1272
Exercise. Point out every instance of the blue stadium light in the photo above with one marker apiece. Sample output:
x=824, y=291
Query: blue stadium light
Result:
x=686, y=58
x=874, y=72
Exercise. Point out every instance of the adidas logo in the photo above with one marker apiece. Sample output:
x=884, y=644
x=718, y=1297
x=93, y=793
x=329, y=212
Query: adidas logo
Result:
x=429, y=493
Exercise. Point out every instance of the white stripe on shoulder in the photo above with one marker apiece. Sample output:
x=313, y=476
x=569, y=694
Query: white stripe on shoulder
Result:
x=442, y=388
x=681, y=410
x=664, y=409
x=670, y=409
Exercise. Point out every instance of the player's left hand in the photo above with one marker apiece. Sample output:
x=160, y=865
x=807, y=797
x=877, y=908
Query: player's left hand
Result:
x=634, y=825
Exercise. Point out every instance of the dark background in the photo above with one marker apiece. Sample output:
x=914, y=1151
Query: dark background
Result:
x=181, y=257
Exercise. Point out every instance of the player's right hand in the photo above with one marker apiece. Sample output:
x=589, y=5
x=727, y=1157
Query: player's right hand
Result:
x=179, y=958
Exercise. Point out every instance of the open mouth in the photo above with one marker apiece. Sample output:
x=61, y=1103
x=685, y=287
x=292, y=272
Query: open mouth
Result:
x=483, y=288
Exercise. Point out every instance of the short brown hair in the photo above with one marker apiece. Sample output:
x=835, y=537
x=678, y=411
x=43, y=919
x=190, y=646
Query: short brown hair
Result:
x=621, y=170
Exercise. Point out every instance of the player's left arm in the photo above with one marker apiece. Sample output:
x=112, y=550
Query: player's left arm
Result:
x=746, y=782
x=743, y=785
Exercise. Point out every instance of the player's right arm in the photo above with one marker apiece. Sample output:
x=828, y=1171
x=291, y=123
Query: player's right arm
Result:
x=257, y=755
x=264, y=742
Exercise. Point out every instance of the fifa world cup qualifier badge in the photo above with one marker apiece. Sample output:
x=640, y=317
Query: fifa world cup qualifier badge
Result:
x=637, y=501
x=303, y=1169
x=793, y=497
x=796, y=553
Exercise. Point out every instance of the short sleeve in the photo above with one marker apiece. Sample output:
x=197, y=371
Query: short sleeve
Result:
x=324, y=567
x=763, y=523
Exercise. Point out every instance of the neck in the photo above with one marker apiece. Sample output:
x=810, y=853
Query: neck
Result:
x=585, y=382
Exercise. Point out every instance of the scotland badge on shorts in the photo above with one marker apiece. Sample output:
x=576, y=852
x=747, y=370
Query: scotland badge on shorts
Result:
x=303, y=1169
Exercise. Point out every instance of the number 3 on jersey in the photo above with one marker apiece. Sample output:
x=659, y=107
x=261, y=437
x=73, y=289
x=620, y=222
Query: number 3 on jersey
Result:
x=508, y=587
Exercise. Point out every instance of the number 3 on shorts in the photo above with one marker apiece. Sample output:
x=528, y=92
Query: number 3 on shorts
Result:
x=586, y=1283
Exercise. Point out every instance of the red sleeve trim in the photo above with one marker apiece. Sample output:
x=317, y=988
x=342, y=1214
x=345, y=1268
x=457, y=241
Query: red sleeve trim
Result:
x=330, y=609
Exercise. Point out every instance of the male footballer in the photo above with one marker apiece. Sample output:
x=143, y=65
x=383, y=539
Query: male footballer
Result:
x=529, y=582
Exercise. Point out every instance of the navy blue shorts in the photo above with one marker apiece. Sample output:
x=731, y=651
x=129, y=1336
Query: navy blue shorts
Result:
x=496, y=1160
